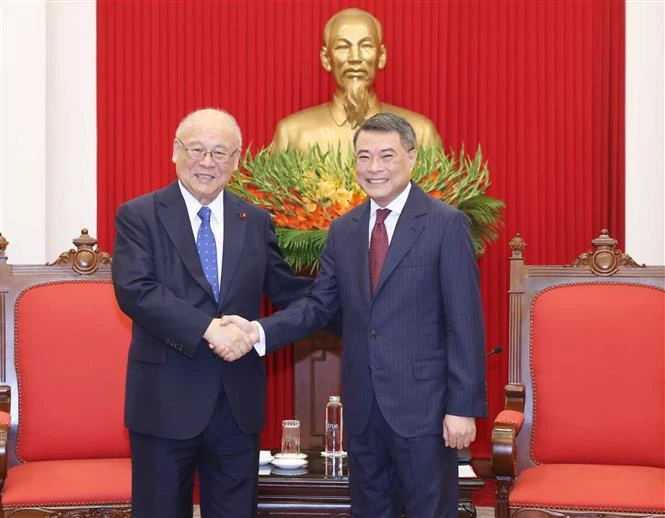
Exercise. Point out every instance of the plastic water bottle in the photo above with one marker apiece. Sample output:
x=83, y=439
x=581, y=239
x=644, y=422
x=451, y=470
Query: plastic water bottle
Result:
x=334, y=427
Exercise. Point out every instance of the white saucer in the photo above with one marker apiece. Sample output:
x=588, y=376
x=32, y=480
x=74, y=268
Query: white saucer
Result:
x=265, y=457
x=289, y=472
x=289, y=463
x=290, y=456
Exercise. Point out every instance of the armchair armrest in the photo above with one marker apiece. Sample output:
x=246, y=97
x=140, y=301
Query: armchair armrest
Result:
x=503, y=462
x=5, y=421
x=510, y=418
x=506, y=426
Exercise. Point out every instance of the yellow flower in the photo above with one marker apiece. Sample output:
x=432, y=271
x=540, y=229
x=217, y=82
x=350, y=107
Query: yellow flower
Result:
x=328, y=188
x=343, y=197
x=310, y=205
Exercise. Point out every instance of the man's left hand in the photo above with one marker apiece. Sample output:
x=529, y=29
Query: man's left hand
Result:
x=458, y=431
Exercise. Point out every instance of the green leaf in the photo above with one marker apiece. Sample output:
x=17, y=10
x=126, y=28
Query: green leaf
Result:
x=288, y=182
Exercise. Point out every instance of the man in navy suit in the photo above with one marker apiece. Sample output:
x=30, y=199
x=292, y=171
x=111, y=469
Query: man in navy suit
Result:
x=407, y=284
x=183, y=256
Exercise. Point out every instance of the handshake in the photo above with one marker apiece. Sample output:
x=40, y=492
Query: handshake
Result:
x=231, y=337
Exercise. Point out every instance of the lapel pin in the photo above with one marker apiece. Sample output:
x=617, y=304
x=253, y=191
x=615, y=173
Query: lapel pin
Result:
x=242, y=216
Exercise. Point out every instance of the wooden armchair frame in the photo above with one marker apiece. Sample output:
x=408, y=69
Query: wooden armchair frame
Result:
x=85, y=263
x=512, y=429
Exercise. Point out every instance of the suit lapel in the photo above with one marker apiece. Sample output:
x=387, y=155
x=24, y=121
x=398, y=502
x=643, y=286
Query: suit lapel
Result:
x=409, y=226
x=235, y=226
x=359, y=239
x=172, y=212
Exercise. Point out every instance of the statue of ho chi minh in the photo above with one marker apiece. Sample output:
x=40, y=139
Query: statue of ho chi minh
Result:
x=353, y=51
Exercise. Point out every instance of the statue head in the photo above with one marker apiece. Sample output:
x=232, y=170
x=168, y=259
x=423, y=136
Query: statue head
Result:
x=353, y=51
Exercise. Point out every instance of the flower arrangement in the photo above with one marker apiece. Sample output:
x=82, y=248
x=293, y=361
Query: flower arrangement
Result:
x=304, y=192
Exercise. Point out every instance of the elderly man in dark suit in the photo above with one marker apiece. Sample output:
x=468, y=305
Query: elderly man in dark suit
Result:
x=402, y=269
x=184, y=255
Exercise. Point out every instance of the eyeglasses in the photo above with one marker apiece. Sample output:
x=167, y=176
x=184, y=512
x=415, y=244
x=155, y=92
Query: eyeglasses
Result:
x=364, y=160
x=198, y=153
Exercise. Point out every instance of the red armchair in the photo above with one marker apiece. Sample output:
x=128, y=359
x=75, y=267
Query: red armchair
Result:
x=583, y=430
x=63, y=350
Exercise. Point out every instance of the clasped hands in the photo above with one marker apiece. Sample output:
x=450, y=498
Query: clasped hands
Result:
x=231, y=337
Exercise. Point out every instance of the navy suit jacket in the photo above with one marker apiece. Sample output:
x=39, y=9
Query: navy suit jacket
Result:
x=418, y=344
x=173, y=378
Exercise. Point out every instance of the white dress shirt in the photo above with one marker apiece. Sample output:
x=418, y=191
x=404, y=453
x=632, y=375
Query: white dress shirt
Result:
x=396, y=207
x=216, y=221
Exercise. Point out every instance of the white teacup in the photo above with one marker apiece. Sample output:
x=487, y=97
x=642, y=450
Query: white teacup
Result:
x=265, y=456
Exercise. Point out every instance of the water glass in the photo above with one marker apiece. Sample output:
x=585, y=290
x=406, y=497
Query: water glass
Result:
x=290, y=436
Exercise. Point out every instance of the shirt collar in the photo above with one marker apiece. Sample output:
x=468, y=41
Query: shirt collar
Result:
x=396, y=206
x=194, y=205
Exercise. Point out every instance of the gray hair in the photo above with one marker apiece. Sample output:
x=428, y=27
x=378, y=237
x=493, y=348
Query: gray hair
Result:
x=387, y=123
x=207, y=111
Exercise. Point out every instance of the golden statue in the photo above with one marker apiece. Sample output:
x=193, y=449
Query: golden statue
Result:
x=353, y=51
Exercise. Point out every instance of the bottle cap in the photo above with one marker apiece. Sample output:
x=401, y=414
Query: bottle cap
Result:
x=334, y=399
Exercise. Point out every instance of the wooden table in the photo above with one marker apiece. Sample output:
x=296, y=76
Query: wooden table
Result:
x=322, y=491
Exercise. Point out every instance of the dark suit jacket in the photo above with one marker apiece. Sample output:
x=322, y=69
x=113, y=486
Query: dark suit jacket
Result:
x=173, y=379
x=418, y=345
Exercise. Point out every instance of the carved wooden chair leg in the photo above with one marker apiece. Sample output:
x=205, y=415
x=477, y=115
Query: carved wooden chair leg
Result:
x=503, y=487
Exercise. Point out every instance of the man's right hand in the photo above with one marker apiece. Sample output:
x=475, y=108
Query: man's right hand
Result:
x=247, y=326
x=227, y=340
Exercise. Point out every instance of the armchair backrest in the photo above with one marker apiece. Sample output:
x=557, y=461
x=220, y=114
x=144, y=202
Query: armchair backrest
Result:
x=64, y=357
x=588, y=343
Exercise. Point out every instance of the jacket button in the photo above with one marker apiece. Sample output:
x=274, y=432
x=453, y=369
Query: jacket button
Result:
x=372, y=334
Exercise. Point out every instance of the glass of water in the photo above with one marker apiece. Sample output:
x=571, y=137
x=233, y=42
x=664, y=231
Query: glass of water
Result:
x=290, y=436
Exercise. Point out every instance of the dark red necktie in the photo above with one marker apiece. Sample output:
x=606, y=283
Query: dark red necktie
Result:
x=378, y=248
